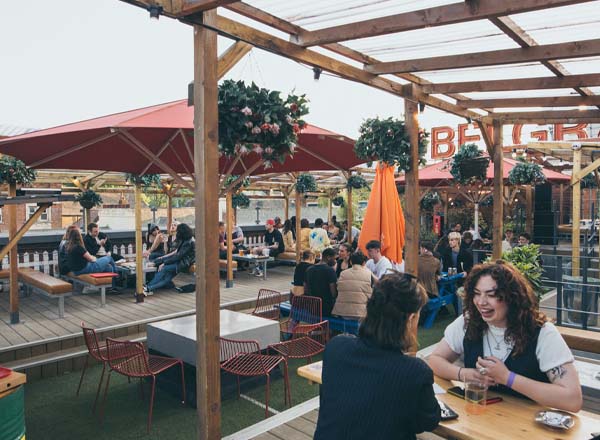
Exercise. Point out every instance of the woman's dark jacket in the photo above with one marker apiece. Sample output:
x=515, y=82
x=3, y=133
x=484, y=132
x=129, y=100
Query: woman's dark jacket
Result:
x=184, y=257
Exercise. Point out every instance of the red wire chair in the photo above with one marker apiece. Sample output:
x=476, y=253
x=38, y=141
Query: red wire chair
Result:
x=242, y=358
x=304, y=309
x=308, y=340
x=96, y=351
x=267, y=304
x=131, y=359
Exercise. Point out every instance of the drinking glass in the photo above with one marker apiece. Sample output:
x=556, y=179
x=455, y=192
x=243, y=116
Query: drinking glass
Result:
x=476, y=396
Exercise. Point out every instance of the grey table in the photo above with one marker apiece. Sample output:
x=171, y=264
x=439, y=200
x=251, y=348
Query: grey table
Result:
x=257, y=260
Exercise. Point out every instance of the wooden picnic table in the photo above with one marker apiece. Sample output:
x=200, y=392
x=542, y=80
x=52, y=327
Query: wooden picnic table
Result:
x=513, y=418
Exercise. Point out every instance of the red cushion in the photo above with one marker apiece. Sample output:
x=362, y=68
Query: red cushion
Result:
x=103, y=274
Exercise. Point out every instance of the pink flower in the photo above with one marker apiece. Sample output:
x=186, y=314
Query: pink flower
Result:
x=256, y=130
x=268, y=164
x=289, y=119
x=249, y=124
x=265, y=127
x=247, y=111
x=244, y=150
x=258, y=149
x=268, y=150
x=292, y=148
x=275, y=129
x=237, y=148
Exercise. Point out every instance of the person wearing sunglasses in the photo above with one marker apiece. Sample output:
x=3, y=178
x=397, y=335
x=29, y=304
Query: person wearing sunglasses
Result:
x=371, y=387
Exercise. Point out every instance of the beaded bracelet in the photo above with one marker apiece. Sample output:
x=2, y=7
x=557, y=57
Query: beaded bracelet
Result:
x=459, y=370
x=511, y=379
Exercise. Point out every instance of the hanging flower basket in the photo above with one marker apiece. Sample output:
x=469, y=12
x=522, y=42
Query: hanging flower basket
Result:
x=430, y=199
x=469, y=165
x=338, y=201
x=14, y=171
x=259, y=120
x=356, y=181
x=146, y=181
x=306, y=183
x=589, y=181
x=387, y=140
x=240, y=200
x=245, y=183
x=88, y=199
x=526, y=173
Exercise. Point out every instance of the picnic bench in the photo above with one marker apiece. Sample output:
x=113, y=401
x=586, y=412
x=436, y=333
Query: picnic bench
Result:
x=47, y=285
x=446, y=295
x=579, y=339
x=87, y=280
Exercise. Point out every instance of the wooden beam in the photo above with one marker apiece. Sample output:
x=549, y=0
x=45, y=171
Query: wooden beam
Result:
x=554, y=101
x=139, y=261
x=14, y=255
x=424, y=18
x=485, y=134
x=232, y=56
x=206, y=167
x=298, y=202
x=547, y=117
x=567, y=145
x=160, y=151
x=573, y=49
x=576, y=177
x=195, y=6
x=498, y=209
x=229, y=232
x=501, y=85
x=411, y=214
x=576, y=215
x=529, y=209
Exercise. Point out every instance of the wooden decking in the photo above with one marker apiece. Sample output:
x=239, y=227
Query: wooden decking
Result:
x=301, y=428
x=39, y=320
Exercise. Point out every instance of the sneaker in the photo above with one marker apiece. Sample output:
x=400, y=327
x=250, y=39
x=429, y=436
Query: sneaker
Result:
x=258, y=273
x=147, y=291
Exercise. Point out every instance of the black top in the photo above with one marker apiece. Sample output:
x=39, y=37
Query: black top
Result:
x=184, y=257
x=464, y=263
x=75, y=260
x=92, y=245
x=275, y=237
x=338, y=269
x=318, y=278
x=300, y=273
x=371, y=393
x=63, y=258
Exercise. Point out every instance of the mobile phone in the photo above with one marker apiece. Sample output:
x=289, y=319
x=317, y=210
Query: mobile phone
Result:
x=447, y=413
x=460, y=392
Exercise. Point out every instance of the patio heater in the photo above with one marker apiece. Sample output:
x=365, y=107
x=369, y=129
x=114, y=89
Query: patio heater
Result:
x=258, y=206
x=153, y=209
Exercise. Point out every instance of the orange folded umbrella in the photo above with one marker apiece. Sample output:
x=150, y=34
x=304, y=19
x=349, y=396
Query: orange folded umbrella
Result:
x=384, y=219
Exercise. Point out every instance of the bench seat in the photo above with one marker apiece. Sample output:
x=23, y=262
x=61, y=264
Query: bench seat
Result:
x=47, y=285
x=286, y=257
x=579, y=339
x=87, y=280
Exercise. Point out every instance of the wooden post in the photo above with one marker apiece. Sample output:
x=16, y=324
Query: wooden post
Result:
x=14, y=258
x=206, y=167
x=298, y=228
x=286, y=205
x=498, y=159
x=529, y=209
x=329, y=210
x=349, y=214
x=561, y=200
x=139, y=260
x=411, y=214
x=87, y=219
x=576, y=214
x=446, y=202
x=169, y=211
x=229, y=232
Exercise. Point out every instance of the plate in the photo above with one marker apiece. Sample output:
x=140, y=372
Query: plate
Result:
x=4, y=372
x=555, y=419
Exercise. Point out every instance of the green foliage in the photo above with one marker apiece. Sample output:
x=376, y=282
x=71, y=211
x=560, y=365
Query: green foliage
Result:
x=430, y=199
x=338, y=201
x=245, y=183
x=469, y=165
x=589, y=181
x=88, y=199
x=426, y=234
x=146, y=181
x=356, y=181
x=465, y=216
x=527, y=260
x=14, y=171
x=388, y=140
x=306, y=183
x=240, y=200
x=526, y=173
x=259, y=120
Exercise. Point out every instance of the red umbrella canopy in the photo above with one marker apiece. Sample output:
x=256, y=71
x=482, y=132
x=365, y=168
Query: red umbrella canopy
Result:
x=439, y=174
x=144, y=140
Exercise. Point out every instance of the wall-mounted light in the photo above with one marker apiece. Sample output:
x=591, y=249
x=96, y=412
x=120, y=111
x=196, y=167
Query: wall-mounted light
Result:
x=317, y=73
x=421, y=107
x=155, y=11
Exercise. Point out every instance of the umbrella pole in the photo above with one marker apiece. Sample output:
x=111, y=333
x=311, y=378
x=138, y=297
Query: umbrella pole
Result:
x=229, y=231
x=411, y=214
x=14, y=258
x=298, y=233
x=476, y=219
x=498, y=191
x=139, y=260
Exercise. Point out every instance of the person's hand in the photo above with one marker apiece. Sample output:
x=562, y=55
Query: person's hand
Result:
x=145, y=253
x=161, y=267
x=474, y=374
x=493, y=368
x=103, y=241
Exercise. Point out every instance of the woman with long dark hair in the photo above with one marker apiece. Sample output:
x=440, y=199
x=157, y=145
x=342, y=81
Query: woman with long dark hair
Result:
x=507, y=342
x=156, y=243
x=81, y=262
x=175, y=262
x=371, y=387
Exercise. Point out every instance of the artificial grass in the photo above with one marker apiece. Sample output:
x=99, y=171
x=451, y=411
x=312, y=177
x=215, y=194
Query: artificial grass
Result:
x=53, y=412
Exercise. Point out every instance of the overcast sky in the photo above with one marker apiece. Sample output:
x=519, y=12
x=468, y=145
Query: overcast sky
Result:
x=66, y=60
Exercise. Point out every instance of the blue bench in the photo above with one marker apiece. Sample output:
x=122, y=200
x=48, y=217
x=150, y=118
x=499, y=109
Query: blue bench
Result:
x=446, y=295
x=335, y=323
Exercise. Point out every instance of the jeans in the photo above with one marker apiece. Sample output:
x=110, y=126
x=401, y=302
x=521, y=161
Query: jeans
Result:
x=154, y=255
x=102, y=264
x=163, y=277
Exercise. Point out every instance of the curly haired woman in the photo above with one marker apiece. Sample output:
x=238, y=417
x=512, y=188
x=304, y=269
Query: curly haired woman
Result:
x=505, y=341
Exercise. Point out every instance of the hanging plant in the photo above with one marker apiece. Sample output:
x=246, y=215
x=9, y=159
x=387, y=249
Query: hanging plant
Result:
x=146, y=181
x=305, y=183
x=88, y=199
x=526, y=173
x=14, y=171
x=430, y=199
x=338, y=201
x=259, y=120
x=244, y=183
x=589, y=181
x=356, y=181
x=240, y=200
x=527, y=260
x=387, y=140
x=469, y=165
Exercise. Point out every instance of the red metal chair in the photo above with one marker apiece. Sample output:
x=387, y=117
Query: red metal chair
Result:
x=132, y=360
x=304, y=309
x=267, y=304
x=243, y=358
x=96, y=351
x=308, y=340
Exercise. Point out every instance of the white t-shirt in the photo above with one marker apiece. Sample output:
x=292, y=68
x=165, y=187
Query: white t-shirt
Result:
x=380, y=268
x=506, y=247
x=551, y=350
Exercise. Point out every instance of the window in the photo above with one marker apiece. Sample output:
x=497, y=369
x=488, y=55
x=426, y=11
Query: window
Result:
x=1, y=217
x=30, y=210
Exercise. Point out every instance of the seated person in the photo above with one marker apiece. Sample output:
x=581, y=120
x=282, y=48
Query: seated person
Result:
x=304, y=234
x=524, y=239
x=98, y=244
x=371, y=388
x=288, y=237
x=156, y=243
x=81, y=262
x=237, y=238
x=378, y=264
x=63, y=255
x=308, y=259
x=336, y=234
x=321, y=281
x=171, y=240
x=354, y=288
x=222, y=242
x=456, y=256
x=318, y=238
x=428, y=269
x=355, y=233
x=174, y=262
x=507, y=342
x=507, y=243
x=343, y=262
x=273, y=242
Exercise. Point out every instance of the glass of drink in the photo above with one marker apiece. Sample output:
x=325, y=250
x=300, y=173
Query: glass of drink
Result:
x=475, y=396
x=241, y=252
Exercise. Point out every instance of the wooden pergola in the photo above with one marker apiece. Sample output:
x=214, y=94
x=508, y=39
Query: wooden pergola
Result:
x=401, y=73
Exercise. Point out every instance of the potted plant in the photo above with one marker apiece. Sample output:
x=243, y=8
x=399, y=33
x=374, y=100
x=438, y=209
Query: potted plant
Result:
x=356, y=181
x=430, y=199
x=14, y=171
x=146, y=180
x=305, y=183
x=527, y=260
x=253, y=119
x=589, y=181
x=88, y=199
x=387, y=140
x=338, y=201
x=469, y=165
x=240, y=200
x=526, y=173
